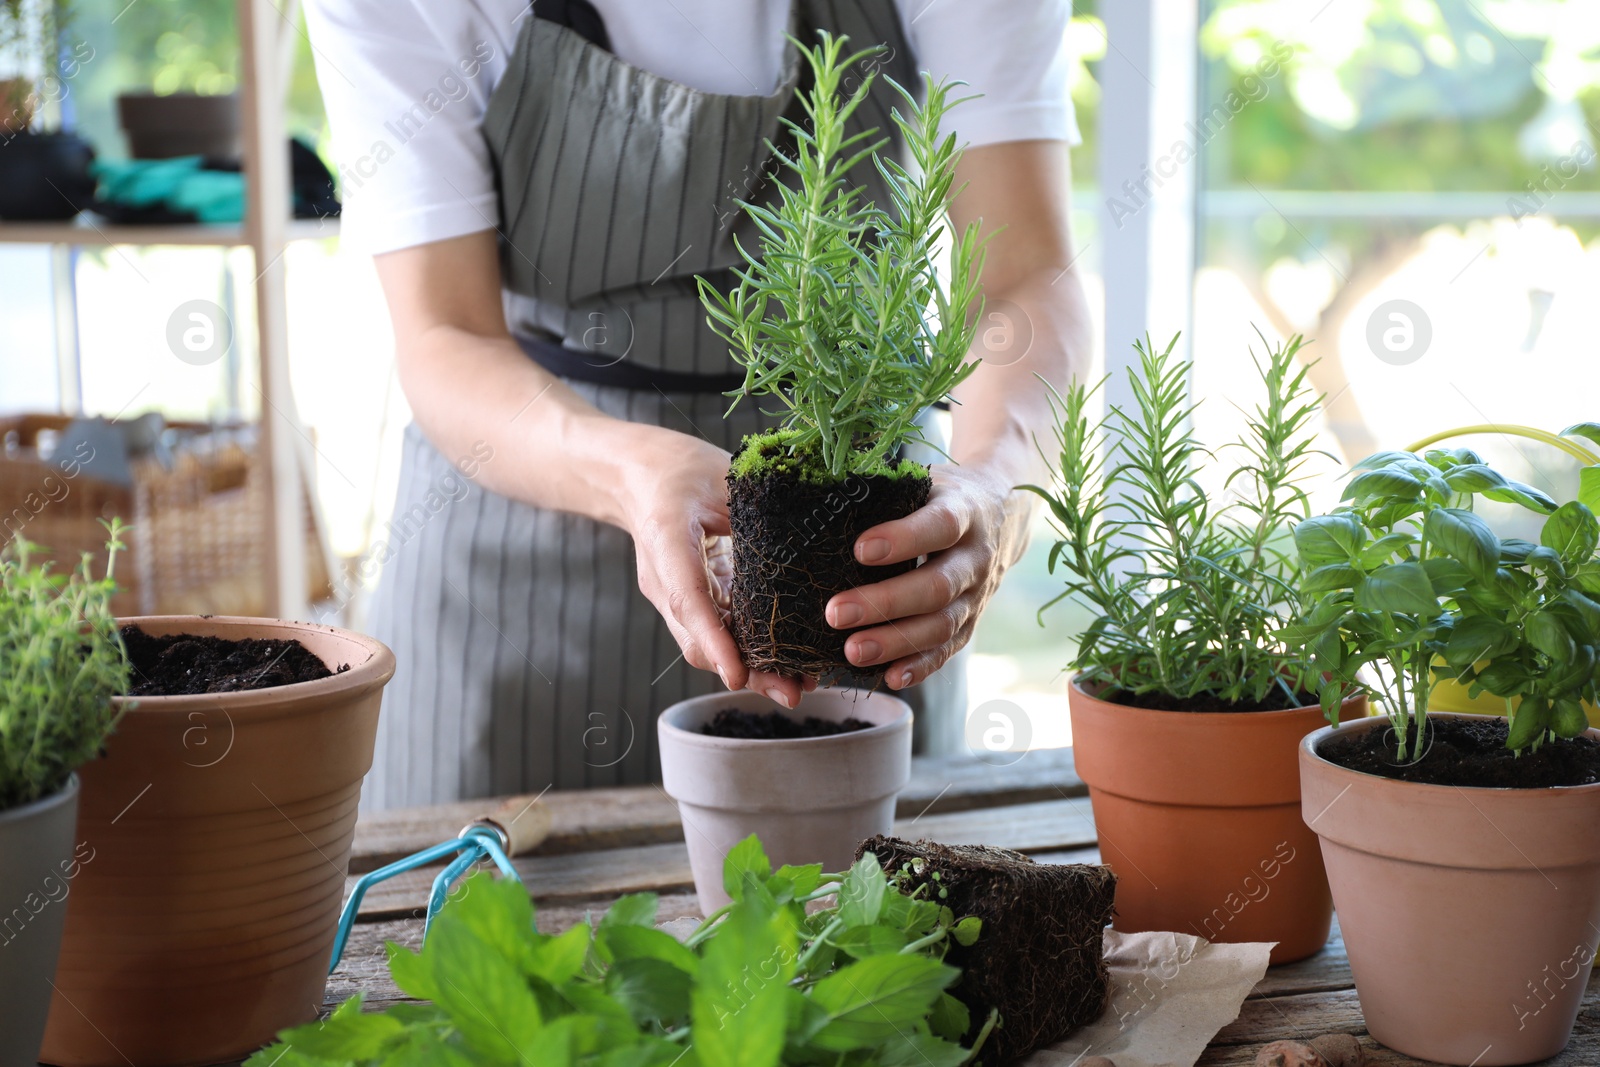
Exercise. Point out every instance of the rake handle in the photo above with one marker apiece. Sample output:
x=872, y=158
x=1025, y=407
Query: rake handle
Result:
x=523, y=821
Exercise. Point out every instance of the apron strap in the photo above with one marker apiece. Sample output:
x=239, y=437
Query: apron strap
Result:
x=598, y=369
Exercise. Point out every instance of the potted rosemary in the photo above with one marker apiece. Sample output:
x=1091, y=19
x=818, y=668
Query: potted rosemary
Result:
x=1463, y=851
x=841, y=320
x=1189, y=699
x=61, y=662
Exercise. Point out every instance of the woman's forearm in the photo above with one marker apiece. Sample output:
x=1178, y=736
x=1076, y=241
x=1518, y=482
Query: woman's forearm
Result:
x=1004, y=406
x=546, y=445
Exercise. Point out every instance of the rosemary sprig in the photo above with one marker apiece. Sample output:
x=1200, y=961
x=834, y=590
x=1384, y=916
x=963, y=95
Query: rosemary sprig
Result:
x=840, y=314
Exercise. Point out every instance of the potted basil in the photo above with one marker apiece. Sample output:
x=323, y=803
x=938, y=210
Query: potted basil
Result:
x=61, y=661
x=830, y=318
x=1190, y=699
x=1463, y=851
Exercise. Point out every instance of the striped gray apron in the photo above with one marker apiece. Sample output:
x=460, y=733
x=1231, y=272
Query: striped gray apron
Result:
x=527, y=657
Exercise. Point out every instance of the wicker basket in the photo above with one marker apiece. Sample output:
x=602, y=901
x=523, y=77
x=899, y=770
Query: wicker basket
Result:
x=195, y=546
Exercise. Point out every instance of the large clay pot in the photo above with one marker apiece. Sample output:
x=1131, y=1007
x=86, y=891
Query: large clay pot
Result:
x=1198, y=813
x=810, y=800
x=37, y=867
x=221, y=829
x=1471, y=915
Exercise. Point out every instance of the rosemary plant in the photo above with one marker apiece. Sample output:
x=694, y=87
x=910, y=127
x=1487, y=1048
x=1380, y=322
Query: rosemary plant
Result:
x=840, y=314
x=61, y=662
x=1191, y=600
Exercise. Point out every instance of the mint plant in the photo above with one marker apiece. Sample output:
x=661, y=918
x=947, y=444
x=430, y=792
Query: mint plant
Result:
x=840, y=315
x=1410, y=584
x=1192, y=598
x=759, y=983
x=61, y=662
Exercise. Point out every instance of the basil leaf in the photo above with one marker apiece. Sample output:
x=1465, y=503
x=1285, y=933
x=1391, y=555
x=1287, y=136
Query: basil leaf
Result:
x=1477, y=638
x=1464, y=537
x=1384, y=483
x=1335, y=538
x=1398, y=588
x=1571, y=532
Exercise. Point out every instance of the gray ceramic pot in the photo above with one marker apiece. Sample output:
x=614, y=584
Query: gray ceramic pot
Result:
x=37, y=865
x=810, y=800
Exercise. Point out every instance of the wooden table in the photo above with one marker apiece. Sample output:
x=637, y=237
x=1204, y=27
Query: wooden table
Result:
x=605, y=843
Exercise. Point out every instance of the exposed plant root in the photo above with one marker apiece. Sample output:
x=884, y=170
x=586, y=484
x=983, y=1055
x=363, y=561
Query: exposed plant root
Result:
x=1040, y=957
x=793, y=549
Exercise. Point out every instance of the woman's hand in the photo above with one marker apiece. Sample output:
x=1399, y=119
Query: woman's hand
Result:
x=674, y=501
x=972, y=529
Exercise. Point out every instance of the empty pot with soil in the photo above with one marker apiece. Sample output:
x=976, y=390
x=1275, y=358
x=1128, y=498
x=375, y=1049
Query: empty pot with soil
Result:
x=812, y=784
x=220, y=820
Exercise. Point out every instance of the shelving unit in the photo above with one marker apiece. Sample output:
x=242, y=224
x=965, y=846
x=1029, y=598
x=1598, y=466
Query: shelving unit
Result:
x=266, y=37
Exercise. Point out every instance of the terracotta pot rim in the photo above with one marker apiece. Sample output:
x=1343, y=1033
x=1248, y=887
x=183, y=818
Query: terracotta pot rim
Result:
x=374, y=671
x=1309, y=743
x=24, y=812
x=901, y=721
x=1208, y=716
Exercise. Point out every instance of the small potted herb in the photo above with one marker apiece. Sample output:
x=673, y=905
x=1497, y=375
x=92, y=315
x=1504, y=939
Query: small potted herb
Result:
x=61, y=662
x=1463, y=851
x=1189, y=698
x=841, y=320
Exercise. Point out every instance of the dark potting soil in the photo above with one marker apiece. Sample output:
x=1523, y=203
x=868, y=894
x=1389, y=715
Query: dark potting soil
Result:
x=1469, y=752
x=793, y=549
x=185, y=664
x=1039, y=958
x=1275, y=700
x=775, y=726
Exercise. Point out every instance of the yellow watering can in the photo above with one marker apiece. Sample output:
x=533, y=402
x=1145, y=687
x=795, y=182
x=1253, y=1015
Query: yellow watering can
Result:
x=1449, y=694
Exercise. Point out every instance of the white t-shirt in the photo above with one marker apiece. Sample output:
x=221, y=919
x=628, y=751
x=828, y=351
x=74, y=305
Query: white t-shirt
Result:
x=406, y=84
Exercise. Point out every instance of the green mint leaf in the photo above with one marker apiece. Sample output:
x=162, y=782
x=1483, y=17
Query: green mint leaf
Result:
x=861, y=895
x=486, y=996
x=560, y=958
x=500, y=913
x=966, y=931
x=911, y=1049
x=650, y=990
x=950, y=1018
x=738, y=1008
x=871, y=1000
x=347, y=1034
x=746, y=864
x=635, y=909
x=645, y=942
x=864, y=941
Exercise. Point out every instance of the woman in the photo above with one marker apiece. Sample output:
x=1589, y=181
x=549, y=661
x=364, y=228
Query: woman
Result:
x=539, y=187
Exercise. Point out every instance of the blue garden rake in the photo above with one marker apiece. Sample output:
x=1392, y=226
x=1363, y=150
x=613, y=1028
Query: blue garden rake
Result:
x=516, y=827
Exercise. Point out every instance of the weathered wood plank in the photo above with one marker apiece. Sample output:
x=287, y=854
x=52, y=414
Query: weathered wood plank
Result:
x=1298, y=1017
x=1039, y=827
x=595, y=819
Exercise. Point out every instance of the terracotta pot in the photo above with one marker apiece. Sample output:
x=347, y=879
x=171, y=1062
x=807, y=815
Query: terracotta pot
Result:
x=220, y=827
x=37, y=867
x=1199, y=815
x=810, y=800
x=1470, y=915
